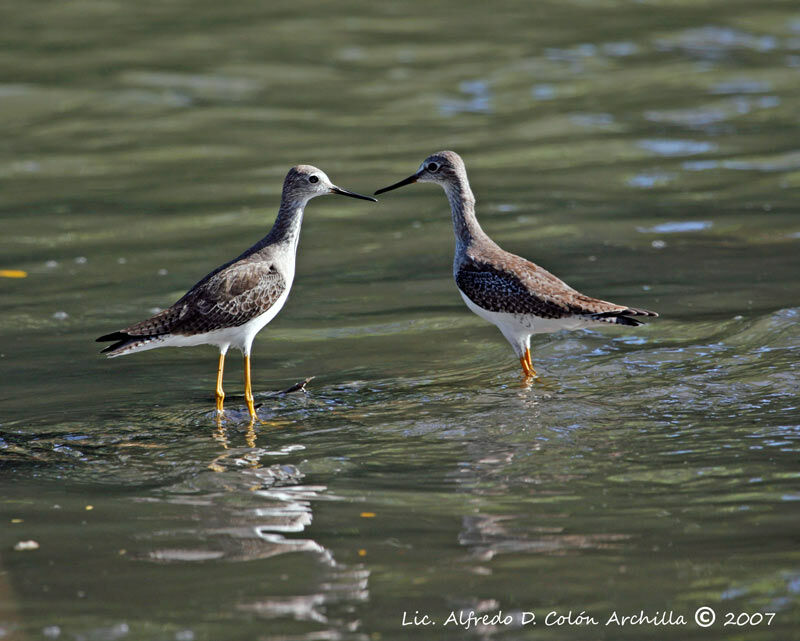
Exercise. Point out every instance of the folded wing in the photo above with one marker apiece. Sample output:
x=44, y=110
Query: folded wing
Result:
x=526, y=288
x=229, y=297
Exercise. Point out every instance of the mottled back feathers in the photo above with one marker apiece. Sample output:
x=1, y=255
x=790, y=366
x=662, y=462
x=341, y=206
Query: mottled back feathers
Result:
x=498, y=281
x=228, y=297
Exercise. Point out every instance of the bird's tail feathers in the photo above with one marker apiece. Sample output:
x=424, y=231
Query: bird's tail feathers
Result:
x=623, y=316
x=123, y=343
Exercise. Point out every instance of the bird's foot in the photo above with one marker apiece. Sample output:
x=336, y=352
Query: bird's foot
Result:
x=251, y=408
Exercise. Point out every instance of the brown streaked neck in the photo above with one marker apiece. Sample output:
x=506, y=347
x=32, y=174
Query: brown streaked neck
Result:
x=286, y=229
x=462, y=207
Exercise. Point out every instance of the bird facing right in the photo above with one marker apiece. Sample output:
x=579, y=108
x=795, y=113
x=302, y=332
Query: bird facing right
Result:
x=234, y=302
x=515, y=294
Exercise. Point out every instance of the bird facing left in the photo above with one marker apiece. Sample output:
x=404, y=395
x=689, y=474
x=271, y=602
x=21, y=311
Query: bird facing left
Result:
x=230, y=305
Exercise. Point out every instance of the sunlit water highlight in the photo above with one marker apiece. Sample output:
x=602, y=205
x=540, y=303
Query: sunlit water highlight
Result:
x=643, y=153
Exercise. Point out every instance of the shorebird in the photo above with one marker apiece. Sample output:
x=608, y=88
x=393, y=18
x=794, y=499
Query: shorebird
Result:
x=515, y=294
x=229, y=306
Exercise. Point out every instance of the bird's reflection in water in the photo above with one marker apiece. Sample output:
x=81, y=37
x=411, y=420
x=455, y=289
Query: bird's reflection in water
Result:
x=220, y=435
x=244, y=511
x=236, y=421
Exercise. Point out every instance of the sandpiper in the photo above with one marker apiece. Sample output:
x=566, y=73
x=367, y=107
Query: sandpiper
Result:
x=229, y=306
x=518, y=296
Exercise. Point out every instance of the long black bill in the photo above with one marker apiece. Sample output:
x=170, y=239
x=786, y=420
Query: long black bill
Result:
x=411, y=179
x=352, y=194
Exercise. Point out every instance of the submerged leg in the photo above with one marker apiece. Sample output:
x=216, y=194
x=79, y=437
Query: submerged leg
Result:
x=219, y=393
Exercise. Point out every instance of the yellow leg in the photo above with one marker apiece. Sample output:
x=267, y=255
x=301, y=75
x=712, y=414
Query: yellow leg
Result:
x=220, y=393
x=527, y=366
x=530, y=363
x=248, y=390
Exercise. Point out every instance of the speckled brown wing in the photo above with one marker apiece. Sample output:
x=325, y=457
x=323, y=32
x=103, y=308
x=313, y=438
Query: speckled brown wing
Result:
x=510, y=284
x=498, y=290
x=229, y=297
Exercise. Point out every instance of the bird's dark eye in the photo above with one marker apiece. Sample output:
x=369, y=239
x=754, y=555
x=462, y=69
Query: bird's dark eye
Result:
x=313, y=179
x=432, y=166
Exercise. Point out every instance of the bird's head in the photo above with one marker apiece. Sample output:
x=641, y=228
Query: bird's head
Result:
x=304, y=182
x=444, y=167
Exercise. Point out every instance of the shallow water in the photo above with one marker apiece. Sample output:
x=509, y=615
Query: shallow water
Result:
x=646, y=153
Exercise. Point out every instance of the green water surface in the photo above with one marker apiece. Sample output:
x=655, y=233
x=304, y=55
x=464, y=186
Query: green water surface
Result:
x=647, y=153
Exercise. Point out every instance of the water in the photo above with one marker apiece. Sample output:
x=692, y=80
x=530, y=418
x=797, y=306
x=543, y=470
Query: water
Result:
x=643, y=152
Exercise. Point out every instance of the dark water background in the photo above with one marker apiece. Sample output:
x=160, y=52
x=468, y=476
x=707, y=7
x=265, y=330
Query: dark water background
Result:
x=645, y=152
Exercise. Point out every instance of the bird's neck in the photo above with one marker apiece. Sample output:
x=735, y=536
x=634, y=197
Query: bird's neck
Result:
x=462, y=207
x=286, y=230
